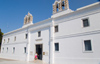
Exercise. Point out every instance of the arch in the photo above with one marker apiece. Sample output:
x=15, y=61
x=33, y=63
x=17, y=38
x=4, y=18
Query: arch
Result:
x=28, y=19
x=25, y=21
x=63, y=5
x=57, y=7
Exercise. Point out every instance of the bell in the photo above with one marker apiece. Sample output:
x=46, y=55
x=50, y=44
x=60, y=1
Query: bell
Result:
x=63, y=3
x=57, y=6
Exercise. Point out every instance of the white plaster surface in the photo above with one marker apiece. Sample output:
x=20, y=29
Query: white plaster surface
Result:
x=70, y=36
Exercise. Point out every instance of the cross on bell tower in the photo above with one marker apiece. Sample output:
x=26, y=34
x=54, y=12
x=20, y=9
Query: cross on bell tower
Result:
x=60, y=5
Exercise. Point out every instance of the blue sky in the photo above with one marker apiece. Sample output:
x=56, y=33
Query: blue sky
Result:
x=12, y=12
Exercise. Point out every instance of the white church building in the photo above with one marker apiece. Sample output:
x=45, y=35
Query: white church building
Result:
x=68, y=37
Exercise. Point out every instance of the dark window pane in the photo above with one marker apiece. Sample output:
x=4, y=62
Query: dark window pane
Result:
x=56, y=28
x=15, y=38
x=24, y=49
x=39, y=33
x=56, y=46
x=85, y=22
x=8, y=39
x=87, y=45
x=26, y=36
x=13, y=49
x=7, y=49
x=4, y=40
x=3, y=49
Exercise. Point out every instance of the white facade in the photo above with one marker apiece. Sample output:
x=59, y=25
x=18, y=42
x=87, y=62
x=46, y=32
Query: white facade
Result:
x=77, y=43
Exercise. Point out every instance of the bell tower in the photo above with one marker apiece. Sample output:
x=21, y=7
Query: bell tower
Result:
x=28, y=20
x=60, y=5
x=60, y=8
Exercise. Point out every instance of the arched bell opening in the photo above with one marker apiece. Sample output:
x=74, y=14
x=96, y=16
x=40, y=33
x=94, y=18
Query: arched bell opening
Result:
x=57, y=7
x=63, y=5
x=60, y=5
x=25, y=21
x=29, y=19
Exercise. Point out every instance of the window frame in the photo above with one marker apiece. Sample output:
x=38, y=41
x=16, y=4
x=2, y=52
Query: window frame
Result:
x=13, y=50
x=56, y=49
x=87, y=51
x=26, y=36
x=15, y=38
x=7, y=49
x=2, y=49
x=83, y=24
x=4, y=41
x=39, y=33
x=8, y=40
x=25, y=49
x=56, y=29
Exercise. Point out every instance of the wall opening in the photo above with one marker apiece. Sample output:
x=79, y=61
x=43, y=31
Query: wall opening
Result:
x=57, y=7
x=39, y=50
x=63, y=5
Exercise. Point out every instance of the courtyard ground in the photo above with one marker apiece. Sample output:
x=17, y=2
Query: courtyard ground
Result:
x=7, y=61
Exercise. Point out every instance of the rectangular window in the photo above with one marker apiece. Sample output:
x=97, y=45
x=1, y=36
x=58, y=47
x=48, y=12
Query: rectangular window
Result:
x=7, y=49
x=39, y=33
x=56, y=28
x=13, y=49
x=8, y=40
x=4, y=41
x=15, y=38
x=2, y=50
x=56, y=46
x=24, y=49
x=85, y=22
x=87, y=44
x=26, y=36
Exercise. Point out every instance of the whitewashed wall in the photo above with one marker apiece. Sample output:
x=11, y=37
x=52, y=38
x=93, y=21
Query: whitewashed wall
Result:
x=71, y=36
x=45, y=35
x=71, y=50
x=19, y=45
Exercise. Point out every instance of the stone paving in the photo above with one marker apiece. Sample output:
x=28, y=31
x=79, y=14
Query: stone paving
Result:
x=7, y=61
